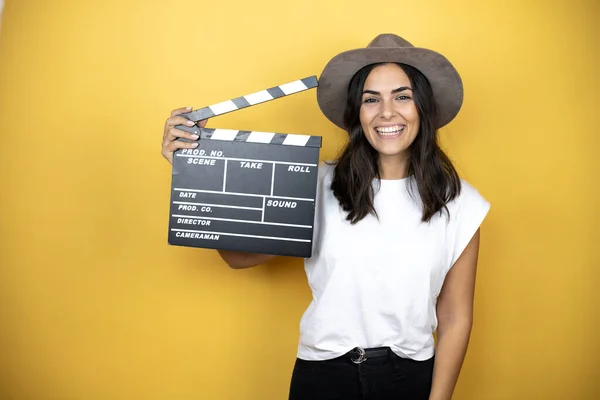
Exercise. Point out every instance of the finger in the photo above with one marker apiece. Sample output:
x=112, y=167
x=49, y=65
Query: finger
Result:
x=174, y=133
x=189, y=123
x=178, y=121
x=173, y=121
x=178, y=144
x=181, y=111
x=171, y=132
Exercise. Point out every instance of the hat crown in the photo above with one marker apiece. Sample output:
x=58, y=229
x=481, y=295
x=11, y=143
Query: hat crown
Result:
x=389, y=40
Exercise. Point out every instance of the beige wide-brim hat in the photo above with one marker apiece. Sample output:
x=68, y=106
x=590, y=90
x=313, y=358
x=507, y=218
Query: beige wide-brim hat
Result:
x=443, y=77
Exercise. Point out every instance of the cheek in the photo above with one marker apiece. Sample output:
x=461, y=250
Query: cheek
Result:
x=416, y=119
x=364, y=118
x=416, y=123
x=413, y=115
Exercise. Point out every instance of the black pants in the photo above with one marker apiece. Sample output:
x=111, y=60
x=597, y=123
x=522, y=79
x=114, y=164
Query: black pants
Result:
x=381, y=378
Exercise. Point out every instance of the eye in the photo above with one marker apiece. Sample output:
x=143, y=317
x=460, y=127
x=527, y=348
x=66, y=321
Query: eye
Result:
x=370, y=100
x=403, y=97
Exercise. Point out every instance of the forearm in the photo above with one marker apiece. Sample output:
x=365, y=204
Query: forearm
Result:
x=453, y=340
x=239, y=260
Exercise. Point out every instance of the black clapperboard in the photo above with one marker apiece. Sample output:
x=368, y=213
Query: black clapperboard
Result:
x=245, y=190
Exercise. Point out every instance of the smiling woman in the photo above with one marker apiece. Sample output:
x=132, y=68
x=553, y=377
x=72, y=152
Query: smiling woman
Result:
x=396, y=233
x=391, y=116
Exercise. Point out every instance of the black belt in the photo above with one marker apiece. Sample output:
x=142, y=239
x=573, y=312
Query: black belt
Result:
x=358, y=355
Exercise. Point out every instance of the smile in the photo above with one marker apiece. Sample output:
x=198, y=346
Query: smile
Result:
x=390, y=130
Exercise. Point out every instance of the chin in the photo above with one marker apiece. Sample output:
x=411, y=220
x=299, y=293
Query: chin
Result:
x=388, y=152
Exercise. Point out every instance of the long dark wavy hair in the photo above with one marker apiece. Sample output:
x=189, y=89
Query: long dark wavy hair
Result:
x=429, y=167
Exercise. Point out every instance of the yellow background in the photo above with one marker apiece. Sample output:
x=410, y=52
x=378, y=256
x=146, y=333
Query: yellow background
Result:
x=94, y=305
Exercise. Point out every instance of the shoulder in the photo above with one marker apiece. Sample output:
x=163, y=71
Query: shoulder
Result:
x=326, y=169
x=469, y=202
x=468, y=191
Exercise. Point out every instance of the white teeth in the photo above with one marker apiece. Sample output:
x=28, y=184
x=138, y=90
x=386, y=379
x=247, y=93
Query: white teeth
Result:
x=389, y=130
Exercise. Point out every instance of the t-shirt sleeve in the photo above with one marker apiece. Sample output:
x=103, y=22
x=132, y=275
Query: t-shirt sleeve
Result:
x=470, y=210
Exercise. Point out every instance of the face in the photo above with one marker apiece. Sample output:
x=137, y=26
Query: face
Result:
x=388, y=113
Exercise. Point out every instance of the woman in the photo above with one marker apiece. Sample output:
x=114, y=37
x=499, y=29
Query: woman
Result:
x=396, y=234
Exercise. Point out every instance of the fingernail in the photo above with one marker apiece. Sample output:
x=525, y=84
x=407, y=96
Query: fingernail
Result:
x=189, y=123
x=195, y=137
x=194, y=144
x=188, y=108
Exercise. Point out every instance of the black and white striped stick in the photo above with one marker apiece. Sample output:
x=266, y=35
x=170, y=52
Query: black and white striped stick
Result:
x=247, y=101
x=285, y=139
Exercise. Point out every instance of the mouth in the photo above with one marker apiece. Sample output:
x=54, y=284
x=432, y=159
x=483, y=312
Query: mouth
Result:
x=390, y=131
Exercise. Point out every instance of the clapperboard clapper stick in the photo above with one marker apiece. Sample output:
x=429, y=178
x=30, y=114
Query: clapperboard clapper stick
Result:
x=246, y=190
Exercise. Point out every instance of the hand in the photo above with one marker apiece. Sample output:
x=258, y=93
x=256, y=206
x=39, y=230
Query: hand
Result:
x=170, y=144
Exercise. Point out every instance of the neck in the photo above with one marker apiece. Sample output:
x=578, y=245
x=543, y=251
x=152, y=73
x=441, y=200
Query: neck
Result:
x=393, y=167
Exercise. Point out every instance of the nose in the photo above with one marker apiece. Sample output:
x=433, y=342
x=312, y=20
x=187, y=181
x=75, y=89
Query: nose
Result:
x=387, y=109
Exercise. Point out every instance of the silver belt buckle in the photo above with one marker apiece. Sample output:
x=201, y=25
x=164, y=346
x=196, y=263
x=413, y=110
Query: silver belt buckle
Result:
x=362, y=356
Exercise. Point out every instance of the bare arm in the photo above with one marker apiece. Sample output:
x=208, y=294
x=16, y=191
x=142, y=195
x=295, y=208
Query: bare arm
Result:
x=455, y=318
x=239, y=260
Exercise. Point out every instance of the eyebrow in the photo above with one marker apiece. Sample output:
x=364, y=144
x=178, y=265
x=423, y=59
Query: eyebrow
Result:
x=400, y=89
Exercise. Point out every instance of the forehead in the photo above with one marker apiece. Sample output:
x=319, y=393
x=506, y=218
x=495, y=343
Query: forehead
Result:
x=387, y=76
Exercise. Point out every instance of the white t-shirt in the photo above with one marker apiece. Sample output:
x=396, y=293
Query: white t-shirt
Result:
x=376, y=283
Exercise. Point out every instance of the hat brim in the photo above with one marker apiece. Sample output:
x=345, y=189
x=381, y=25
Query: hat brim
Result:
x=444, y=79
